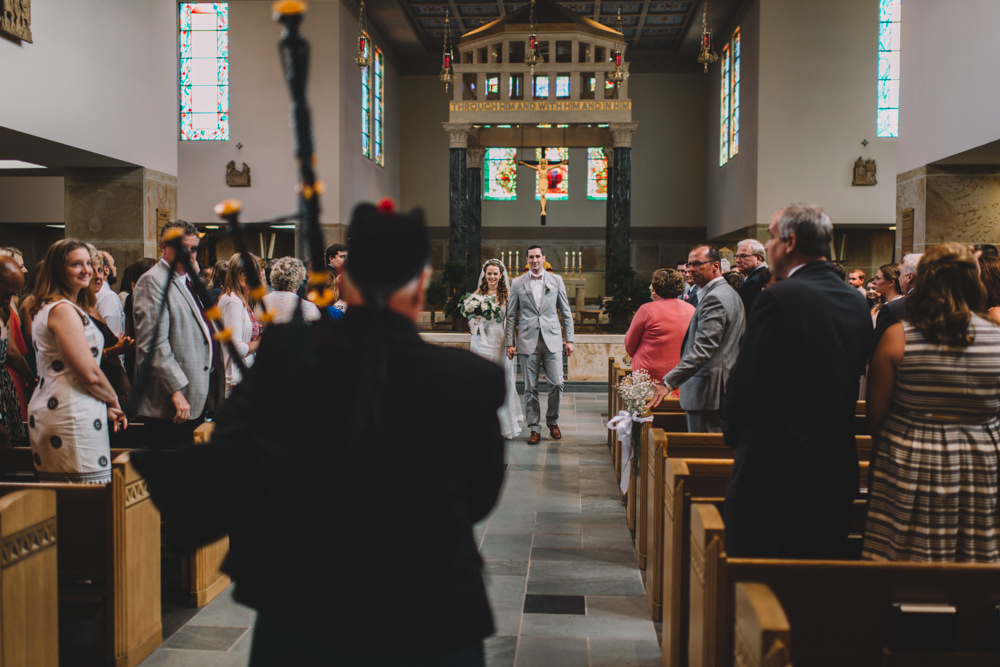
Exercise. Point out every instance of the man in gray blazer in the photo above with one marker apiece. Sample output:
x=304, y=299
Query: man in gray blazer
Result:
x=180, y=344
x=710, y=347
x=537, y=303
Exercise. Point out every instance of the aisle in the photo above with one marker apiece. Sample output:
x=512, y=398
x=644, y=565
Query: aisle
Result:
x=559, y=565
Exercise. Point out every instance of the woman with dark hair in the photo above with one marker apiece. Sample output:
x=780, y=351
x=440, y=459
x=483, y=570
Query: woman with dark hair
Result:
x=933, y=401
x=74, y=405
x=657, y=331
x=989, y=271
x=130, y=277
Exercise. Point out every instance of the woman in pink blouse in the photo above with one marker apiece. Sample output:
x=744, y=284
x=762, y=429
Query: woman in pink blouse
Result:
x=657, y=331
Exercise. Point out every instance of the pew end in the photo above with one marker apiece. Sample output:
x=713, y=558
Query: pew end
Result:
x=761, y=637
x=29, y=589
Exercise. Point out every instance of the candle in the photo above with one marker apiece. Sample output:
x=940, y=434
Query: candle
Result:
x=565, y=262
x=517, y=261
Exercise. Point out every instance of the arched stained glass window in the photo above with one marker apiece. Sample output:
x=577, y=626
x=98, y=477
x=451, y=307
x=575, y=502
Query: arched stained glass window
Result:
x=373, y=104
x=724, y=107
x=204, y=71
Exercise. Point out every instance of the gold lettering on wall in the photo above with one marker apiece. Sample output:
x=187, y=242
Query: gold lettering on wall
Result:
x=541, y=105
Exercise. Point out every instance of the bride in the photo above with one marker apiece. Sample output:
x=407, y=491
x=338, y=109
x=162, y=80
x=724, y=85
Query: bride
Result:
x=488, y=341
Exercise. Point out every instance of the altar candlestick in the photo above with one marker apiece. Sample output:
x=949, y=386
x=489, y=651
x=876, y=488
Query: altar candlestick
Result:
x=565, y=262
x=517, y=262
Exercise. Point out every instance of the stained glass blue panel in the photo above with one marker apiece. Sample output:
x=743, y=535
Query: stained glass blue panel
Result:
x=887, y=116
x=500, y=174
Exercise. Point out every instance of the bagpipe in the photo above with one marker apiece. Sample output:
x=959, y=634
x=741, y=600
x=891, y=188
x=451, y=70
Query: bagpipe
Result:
x=294, y=52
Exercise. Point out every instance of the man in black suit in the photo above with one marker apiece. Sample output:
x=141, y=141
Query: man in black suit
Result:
x=895, y=310
x=335, y=531
x=750, y=262
x=792, y=400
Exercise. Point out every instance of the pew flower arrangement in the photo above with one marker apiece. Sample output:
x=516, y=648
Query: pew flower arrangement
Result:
x=478, y=308
x=634, y=389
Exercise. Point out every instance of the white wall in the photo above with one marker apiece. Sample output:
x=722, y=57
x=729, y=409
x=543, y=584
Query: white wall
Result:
x=818, y=72
x=949, y=90
x=815, y=92
x=424, y=148
x=100, y=76
x=260, y=108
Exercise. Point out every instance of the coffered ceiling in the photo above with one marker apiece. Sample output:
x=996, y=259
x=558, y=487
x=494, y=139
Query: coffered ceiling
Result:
x=662, y=35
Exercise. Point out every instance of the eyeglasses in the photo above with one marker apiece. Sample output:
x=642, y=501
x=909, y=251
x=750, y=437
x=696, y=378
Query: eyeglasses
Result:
x=695, y=265
x=744, y=256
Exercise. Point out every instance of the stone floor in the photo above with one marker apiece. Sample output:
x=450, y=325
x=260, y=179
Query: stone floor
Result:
x=559, y=565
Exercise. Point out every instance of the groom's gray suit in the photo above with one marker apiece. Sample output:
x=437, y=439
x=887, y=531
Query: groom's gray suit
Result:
x=539, y=341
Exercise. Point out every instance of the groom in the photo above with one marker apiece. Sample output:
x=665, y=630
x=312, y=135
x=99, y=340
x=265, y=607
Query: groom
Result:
x=537, y=302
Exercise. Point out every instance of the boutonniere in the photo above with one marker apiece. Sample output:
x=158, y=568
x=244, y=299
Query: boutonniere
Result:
x=547, y=288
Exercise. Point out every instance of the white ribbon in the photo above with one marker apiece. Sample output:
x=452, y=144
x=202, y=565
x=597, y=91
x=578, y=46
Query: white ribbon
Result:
x=622, y=425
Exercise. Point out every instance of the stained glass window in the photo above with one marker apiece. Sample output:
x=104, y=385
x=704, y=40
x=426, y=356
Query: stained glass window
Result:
x=372, y=104
x=541, y=86
x=556, y=183
x=887, y=120
x=378, y=107
x=366, y=104
x=500, y=170
x=724, y=107
x=597, y=174
x=734, y=97
x=562, y=86
x=204, y=71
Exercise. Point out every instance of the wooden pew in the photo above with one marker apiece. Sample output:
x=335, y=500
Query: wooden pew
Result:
x=109, y=552
x=839, y=612
x=29, y=619
x=686, y=482
x=761, y=636
x=659, y=447
x=636, y=509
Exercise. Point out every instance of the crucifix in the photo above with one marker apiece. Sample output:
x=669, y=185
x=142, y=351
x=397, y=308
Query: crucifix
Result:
x=543, y=167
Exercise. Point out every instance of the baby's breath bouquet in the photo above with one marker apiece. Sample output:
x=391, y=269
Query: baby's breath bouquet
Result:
x=635, y=390
x=478, y=308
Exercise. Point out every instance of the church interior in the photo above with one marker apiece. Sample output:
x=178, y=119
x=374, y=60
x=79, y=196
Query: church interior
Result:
x=597, y=130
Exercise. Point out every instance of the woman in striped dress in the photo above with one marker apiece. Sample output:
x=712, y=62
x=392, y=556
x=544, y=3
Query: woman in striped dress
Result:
x=933, y=401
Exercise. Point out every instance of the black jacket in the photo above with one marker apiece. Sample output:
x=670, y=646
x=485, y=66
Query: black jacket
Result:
x=342, y=535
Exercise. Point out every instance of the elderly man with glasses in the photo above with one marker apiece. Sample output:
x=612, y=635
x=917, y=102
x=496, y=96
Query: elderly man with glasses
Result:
x=710, y=347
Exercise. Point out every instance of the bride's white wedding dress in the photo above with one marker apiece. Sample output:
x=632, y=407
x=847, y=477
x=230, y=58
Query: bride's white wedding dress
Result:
x=488, y=342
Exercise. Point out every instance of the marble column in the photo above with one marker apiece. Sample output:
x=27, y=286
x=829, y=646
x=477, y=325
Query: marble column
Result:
x=458, y=228
x=617, y=250
x=119, y=210
x=474, y=217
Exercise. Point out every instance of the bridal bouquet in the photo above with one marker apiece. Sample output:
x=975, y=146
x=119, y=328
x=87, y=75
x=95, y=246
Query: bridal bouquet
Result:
x=478, y=308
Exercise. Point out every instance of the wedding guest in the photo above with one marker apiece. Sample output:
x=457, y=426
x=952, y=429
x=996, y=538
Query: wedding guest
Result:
x=114, y=346
x=933, y=401
x=13, y=369
x=287, y=273
x=237, y=314
x=657, y=331
x=989, y=270
x=130, y=276
x=74, y=405
x=22, y=382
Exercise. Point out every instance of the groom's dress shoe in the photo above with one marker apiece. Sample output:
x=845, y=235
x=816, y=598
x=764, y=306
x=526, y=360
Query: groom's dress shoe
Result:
x=534, y=438
x=555, y=432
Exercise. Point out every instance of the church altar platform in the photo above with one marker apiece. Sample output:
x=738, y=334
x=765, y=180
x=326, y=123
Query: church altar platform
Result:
x=589, y=362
